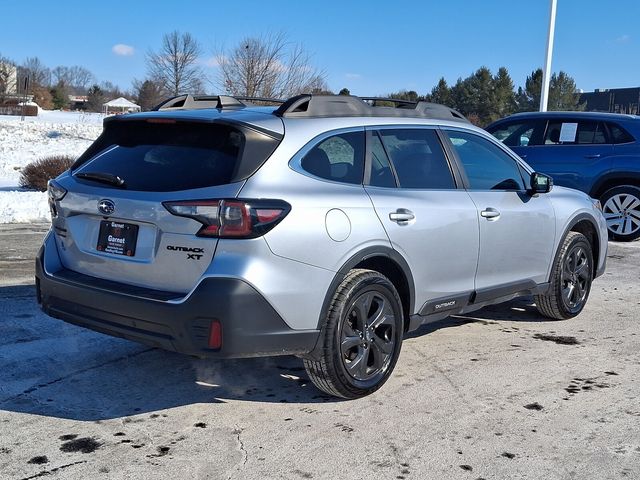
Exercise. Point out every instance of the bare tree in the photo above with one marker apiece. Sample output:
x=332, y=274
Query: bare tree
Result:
x=268, y=66
x=110, y=90
x=80, y=78
x=175, y=66
x=38, y=73
x=61, y=75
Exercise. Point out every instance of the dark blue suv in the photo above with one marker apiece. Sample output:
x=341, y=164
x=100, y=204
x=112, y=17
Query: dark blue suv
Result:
x=598, y=153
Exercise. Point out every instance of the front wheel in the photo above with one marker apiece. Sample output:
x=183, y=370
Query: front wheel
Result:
x=570, y=279
x=621, y=209
x=361, y=338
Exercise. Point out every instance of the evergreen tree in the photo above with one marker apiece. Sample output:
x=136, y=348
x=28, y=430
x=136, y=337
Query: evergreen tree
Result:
x=459, y=96
x=528, y=99
x=148, y=94
x=504, y=96
x=60, y=96
x=410, y=95
x=475, y=96
x=441, y=93
x=344, y=91
x=563, y=94
x=95, y=99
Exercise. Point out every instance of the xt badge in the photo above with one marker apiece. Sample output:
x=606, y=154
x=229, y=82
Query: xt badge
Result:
x=193, y=253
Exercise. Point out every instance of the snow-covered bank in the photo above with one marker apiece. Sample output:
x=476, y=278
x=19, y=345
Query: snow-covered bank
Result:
x=22, y=142
x=23, y=207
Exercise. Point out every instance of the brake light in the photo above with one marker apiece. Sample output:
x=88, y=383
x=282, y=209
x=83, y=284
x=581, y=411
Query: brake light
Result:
x=231, y=218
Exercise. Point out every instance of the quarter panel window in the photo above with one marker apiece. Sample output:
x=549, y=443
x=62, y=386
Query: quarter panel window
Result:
x=418, y=158
x=486, y=165
x=339, y=158
x=618, y=134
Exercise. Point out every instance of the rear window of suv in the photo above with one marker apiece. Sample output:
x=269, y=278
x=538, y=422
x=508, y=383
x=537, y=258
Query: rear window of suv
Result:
x=165, y=157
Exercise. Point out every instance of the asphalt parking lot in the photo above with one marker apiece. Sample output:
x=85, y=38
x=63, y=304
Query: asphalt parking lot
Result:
x=502, y=394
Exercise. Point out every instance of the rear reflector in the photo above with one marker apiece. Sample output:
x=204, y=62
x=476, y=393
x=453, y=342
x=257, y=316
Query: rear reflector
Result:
x=233, y=218
x=215, y=335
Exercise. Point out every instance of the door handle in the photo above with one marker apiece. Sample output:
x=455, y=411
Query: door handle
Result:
x=401, y=216
x=595, y=155
x=490, y=213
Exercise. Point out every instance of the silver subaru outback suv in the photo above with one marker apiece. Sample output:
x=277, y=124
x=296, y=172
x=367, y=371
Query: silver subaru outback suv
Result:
x=326, y=228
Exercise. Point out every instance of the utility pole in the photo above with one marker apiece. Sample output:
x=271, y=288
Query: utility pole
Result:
x=546, y=70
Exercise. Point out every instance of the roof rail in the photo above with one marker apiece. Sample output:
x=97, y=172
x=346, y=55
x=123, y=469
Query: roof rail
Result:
x=193, y=102
x=397, y=101
x=259, y=99
x=318, y=106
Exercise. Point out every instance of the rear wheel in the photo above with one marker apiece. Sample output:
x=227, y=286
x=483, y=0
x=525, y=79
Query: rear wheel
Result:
x=362, y=336
x=570, y=279
x=621, y=208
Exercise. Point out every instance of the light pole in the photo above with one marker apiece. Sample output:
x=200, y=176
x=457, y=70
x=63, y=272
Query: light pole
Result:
x=546, y=70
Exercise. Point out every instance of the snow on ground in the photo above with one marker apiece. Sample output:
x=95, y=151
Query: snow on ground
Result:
x=23, y=207
x=22, y=142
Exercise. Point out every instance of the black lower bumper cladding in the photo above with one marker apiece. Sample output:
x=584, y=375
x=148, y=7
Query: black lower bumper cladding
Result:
x=250, y=325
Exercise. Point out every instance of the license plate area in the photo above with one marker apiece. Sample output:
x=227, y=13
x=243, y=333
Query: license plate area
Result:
x=117, y=238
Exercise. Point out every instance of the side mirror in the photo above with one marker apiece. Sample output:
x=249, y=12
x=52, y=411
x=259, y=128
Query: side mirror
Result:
x=541, y=183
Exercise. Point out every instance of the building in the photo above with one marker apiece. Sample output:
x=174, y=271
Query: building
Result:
x=614, y=100
x=8, y=79
x=78, y=102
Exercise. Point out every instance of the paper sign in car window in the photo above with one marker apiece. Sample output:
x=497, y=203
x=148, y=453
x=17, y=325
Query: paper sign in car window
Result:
x=568, y=132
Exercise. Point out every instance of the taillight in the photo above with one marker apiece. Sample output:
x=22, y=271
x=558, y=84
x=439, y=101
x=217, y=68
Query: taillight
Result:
x=232, y=218
x=55, y=193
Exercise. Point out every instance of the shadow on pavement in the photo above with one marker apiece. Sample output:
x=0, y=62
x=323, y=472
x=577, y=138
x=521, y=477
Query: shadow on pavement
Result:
x=51, y=368
x=518, y=310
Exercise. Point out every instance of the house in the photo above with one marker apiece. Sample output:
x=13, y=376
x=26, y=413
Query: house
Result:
x=78, y=102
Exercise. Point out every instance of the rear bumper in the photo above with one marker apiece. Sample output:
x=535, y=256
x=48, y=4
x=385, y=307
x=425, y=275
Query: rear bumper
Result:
x=250, y=325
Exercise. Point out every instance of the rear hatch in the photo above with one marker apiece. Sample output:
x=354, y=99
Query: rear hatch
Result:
x=112, y=222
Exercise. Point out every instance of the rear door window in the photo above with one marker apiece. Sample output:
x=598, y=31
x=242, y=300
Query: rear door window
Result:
x=518, y=134
x=381, y=171
x=568, y=132
x=339, y=158
x=165, y=157
x=418, y=158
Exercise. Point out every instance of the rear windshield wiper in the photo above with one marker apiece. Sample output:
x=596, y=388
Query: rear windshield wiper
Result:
x=102, y=177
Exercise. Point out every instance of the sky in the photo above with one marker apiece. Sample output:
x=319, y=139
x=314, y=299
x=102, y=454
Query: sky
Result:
x=369, y=47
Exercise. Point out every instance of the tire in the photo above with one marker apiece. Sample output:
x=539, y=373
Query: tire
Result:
x=621, y=208
x=571, y=278
x=356, y=361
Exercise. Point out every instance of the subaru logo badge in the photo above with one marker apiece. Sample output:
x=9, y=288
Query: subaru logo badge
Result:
x=106, y=207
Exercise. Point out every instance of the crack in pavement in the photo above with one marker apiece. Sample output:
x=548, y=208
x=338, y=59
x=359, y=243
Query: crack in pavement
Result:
x=31, y=390
x=245, y=455
x=53, y=470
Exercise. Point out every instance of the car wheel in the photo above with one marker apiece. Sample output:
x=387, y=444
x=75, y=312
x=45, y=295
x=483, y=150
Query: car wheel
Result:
x=361, y=337
x=571, y=278
x=621, y=208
